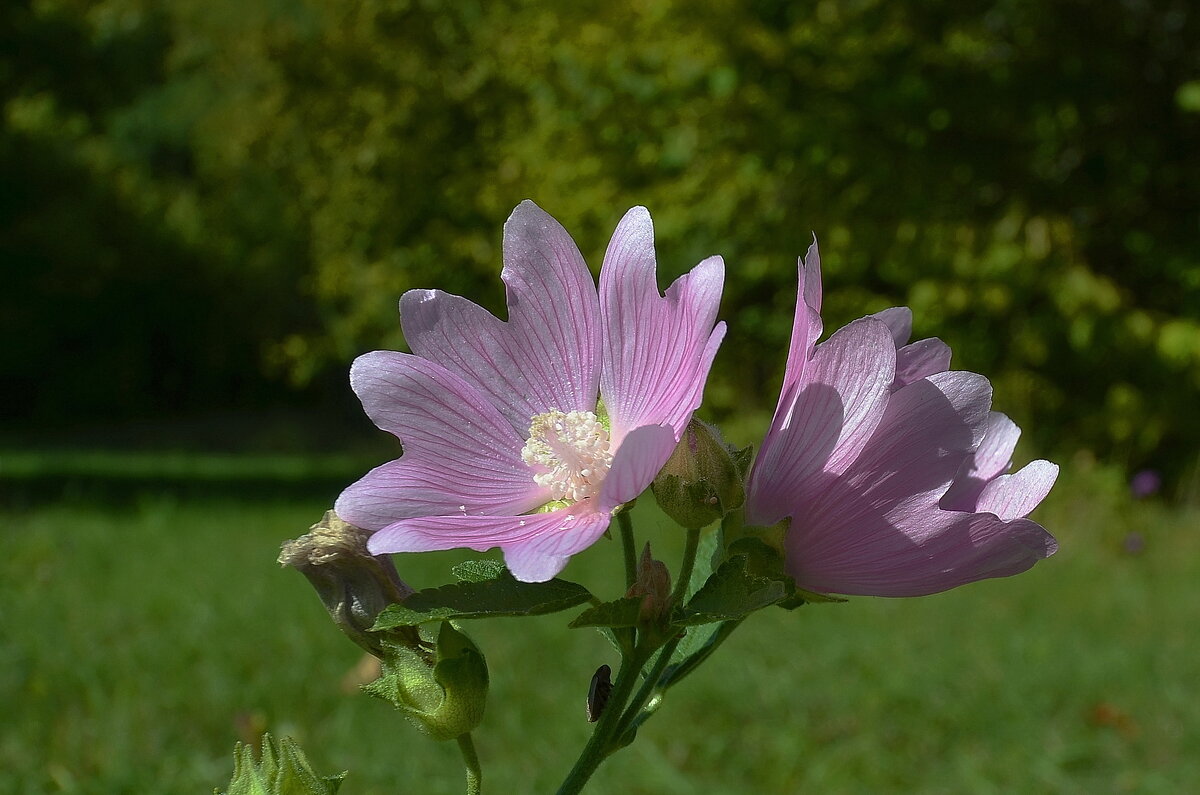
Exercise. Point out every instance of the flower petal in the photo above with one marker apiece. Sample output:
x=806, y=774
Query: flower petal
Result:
x=993, y=457
x=899, y=322
x=921, y=359
x=657, y=350
x=547, y=355
x=843, y=393
x=458, y=450
x=880, y=559
x=642, y=453
x=927, y=431
x=806, y=325
x=1016, y=495
x=536, y=546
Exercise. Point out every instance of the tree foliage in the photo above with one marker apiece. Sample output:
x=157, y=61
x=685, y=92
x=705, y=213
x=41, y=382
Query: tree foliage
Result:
x=1023, y=174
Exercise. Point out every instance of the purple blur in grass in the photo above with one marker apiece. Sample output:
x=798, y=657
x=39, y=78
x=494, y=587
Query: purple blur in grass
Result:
x=505, y=441
x=891, y=466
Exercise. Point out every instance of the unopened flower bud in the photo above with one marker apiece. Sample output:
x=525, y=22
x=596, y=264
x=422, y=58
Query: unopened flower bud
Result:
x=282, y=769
x=653, y=585
x=701, y=481
x=444, y=697
x=354, y=585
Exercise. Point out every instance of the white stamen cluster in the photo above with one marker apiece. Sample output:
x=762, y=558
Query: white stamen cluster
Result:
x=572, y=448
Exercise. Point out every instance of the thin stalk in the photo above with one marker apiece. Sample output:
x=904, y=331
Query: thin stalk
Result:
x=685, y=568
x=625, y=523
x=471, y=761
x=648, y=688
x=664, y=657
x=597, y=747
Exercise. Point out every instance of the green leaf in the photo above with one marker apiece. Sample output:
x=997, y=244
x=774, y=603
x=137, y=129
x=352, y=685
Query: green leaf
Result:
x=749, y=580
x=478, y=570
x=694, y=640
x=621, y=612
x=502, y=596
x=802, y=597
x=708, y=557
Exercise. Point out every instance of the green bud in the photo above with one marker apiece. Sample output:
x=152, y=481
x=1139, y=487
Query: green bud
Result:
x=282, y=770
x=354, y=585
x=445, y=696
x=702, y=480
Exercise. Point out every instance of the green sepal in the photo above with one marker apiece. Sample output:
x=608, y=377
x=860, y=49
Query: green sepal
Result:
x=623, y=612
x=282, y=769
x=503, y=595
x=743, y=458
x=445, y=699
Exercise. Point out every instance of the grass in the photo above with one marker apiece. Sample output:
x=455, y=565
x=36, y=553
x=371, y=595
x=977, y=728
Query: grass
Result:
x=142, y=638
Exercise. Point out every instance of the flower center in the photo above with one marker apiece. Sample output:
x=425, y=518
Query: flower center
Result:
x=572, y=448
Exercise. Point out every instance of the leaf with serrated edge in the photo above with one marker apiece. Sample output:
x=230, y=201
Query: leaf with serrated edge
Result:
x=502, y=596
x=621, y=612
x=732, y=592
x=478, y=570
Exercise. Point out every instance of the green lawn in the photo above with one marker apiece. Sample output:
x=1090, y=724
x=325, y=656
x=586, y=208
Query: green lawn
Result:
x=142, y=638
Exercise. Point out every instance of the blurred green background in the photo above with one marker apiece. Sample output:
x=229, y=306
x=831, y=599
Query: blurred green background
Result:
x=208, y=208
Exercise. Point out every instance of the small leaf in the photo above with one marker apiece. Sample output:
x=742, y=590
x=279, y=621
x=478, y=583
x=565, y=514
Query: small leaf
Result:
x=694, y=640
x=478, y=570
x=802, y=597
x=708, y=557
x=744, y=583
x=502, y=596
x=623, y=612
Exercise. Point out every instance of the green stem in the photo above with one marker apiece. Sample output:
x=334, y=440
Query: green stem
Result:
x=471, y=761
x=625, y=523
x=685, y=568
x=597, y=747
x=650, y=685
x=606, y=737
x=648, y=688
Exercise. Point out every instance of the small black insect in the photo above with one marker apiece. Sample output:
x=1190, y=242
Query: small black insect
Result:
x=598, y=693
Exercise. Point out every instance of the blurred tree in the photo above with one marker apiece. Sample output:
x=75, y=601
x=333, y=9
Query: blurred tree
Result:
x=1022, y=173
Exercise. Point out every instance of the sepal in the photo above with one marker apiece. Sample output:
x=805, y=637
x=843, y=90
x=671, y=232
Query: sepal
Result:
x=282, y=769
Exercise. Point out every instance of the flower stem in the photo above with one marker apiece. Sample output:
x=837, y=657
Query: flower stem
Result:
x=616, y=718
x=685, y=568
x=650, y=685
x=597, y=747
x=625, y=522
x=471, y=761
x=684, y=668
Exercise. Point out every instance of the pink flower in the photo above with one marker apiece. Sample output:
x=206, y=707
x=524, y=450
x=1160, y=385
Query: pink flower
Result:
x=505, y=440
x=890, y=465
